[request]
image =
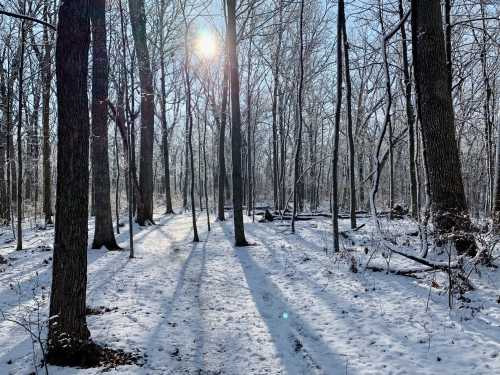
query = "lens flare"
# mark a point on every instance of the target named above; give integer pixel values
(206, 45)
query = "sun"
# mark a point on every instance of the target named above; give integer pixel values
(206, 45)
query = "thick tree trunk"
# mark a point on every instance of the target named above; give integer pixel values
(68, 330)
(138, 21)
(449, 207)
(103, 234)
(239, 229)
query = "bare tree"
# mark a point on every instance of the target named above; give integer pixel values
(449, 206)
(68, 331)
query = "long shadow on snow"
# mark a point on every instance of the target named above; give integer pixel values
(386, 284)
(185, 272)
(293, 337)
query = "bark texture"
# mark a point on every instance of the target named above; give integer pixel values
(68, 330)
(239, 230)
(138, 21)
(103, 235)
(449, 207)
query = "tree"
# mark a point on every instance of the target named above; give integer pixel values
(350, 136)
(435, 109)
(410, 116)
(222, 141)
(239, 229)
(19, 199)
(164, 127)
(338, 108)
(300, 103)
(68, 331)
(46, 81)
(103, 235)
(138, 21)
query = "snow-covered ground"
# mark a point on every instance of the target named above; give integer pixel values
(283, 306)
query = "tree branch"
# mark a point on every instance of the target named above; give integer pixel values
(27, 18)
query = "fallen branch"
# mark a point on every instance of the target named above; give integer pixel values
(404, 272)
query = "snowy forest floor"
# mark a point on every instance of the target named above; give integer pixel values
(283, 306)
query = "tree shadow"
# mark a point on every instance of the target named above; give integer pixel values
(301, 348)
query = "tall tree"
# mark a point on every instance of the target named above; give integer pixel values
(300, 101)
(164, 127)
(410, 116)
(68, 330)
(222, 140)
(19, 199)
(350, 136)
(103, 235)
(138, 21)
(276, 96)
(239, 229)
(46, 81)
(336, 135)
(435, 109)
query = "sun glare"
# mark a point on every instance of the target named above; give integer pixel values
(206, 45)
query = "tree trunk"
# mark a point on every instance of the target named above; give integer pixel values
(68, 330)
(276, 96)
(103, 234)
(138, 21)
(222, 140)
(19, 200)
(449, 207)
(338, 107)
(239, 229)
(205, 179)
(164, 127)
(352, 176)
(296, 169)
(410, 118)
(249, 129)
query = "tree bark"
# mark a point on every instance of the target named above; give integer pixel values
(338, 107)
(103, 234)
(19, 199)
(449, 207)
(164, 127)
(239, 229)
(46, 80)
(276, 96)
(68, 330)
(222, 140)
(138, 21)
(410, 118)
(352, 153)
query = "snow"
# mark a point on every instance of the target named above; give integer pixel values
(282, 306)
